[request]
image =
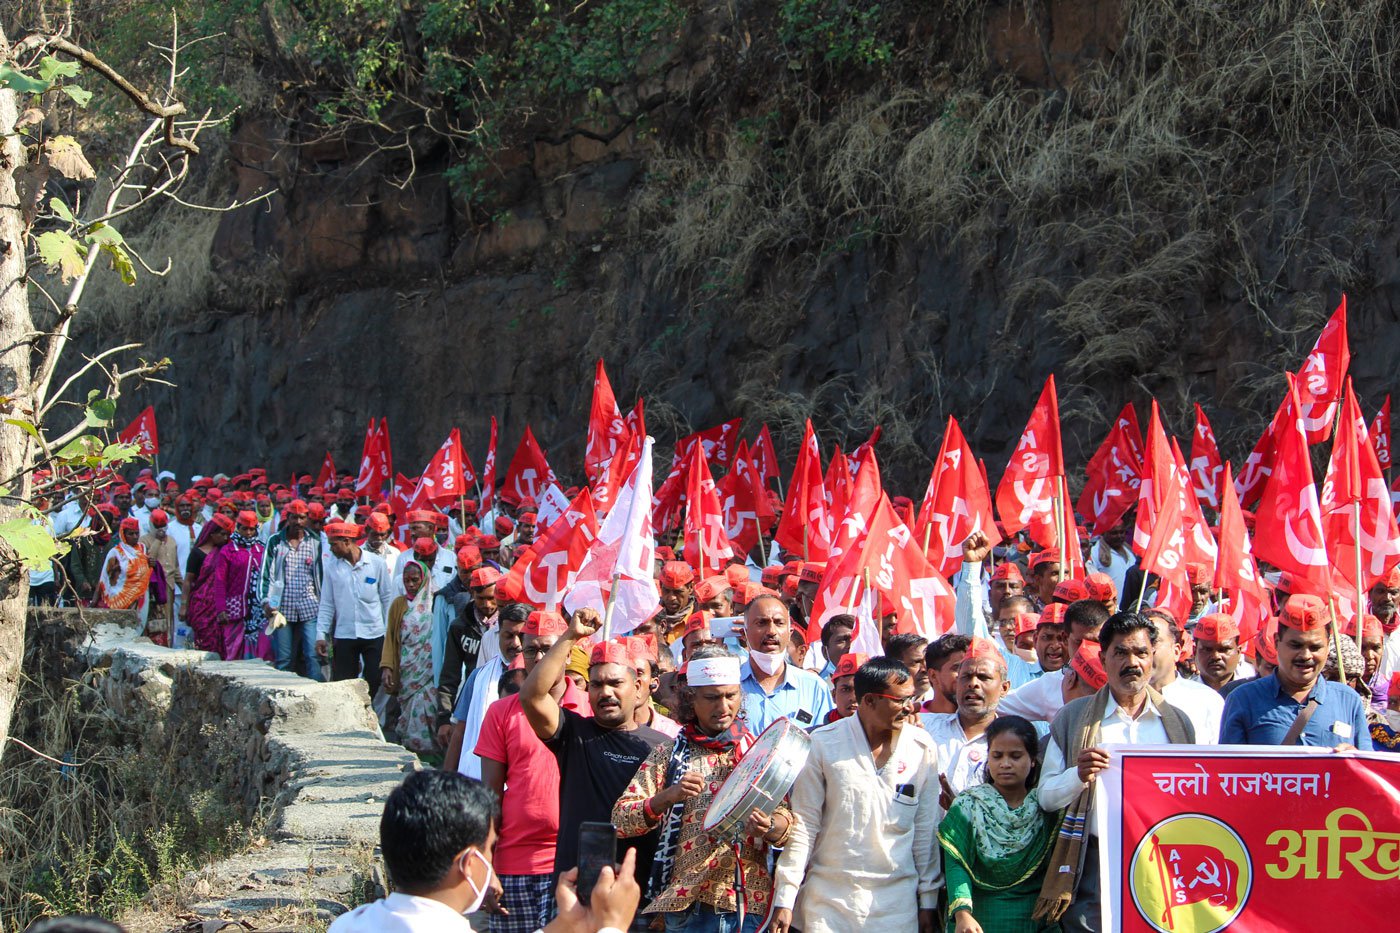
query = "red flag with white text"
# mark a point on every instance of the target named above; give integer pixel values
(765, 458)
(956, 504)
(528, 473)
(444, 478)
(1028, 488)
(1380, 435)
(1288, 522)
(326, 478)
(367, 482)
(546, 570)
(805, 528)
(1207, 466)
(488, 471)
(1319, 382)
(707, 547)
(606, 427)
(1113, 475)
(1355, 505)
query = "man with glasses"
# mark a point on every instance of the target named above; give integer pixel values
(864, 853)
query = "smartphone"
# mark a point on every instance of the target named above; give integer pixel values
(722, 628)
(597, 847)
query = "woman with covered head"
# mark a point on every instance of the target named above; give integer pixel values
(693, 876)
(407, 663)
(200, 609)
(233, 583)
(126, 574)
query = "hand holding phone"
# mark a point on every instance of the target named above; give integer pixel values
(597, 849)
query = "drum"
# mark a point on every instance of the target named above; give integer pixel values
(761, 779)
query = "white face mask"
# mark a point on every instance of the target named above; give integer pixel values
(152, 502)
(769, 664)
(486, 885)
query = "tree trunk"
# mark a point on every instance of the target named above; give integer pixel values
(16, 334)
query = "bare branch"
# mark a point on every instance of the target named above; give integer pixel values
(91, 362)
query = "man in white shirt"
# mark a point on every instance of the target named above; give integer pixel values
(1111, 555)
(1219, 658)
(961, 737)
(438, 837)
(1202, 705)
(355, 595)
(1126, 710)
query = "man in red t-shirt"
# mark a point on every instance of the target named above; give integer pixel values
(526, 776)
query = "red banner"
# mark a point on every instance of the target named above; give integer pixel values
(1199, 839)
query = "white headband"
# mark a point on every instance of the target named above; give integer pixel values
(712, 672)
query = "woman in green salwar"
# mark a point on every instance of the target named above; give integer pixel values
(996, 838)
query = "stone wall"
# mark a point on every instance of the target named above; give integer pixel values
(307, 758)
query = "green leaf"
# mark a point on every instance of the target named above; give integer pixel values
(101, 412)
(114, 453)
(15, 79)
(58, 207)
(121, 262)
(60, 251)
(84, 445)
(80, 95)
(51, 68)
(104, 233)
(32, 543)
(24, 426)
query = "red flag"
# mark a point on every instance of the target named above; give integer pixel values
(1158, 476)
(1235, 569)
(1026, 495)
(765, 458)
(838, 484)
(637, 421)
(1200, 541)
(707, 548)
(956, 504)
(528, 473)
(746, 507)
(1166, 556)
(718, 442)
(1319, 383)
(488, 472)
(606, 428)
(889, 554)
(443, 481)
(547, 568)
(805, 528)
(142, 433)
(385, 463)
(1193, 873)
(1380, 435)
(848, 530)
(1288, 524)
(670, 496)
(1206, 463)
(1260, 462)
(326, 478)
(1114, 474)
(616, 471)
(1355, 505)
(400, 496)
(366, 483)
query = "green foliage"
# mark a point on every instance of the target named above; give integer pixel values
(837, 32)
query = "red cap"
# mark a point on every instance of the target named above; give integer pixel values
(1100, 587)
(1007, 570)
(736, 574)
(812, 572)
(1050, 555)
(790, 587)
(315, 511)
(422, 515)
(528, 504)
(542, 624)
(770, 575)
(159, 520)
(1304, 612)
(1053, 614)
(345, 495)
(664, 554)
(746, 593)
(222, 520)
(1391, 578)
(793, 567)
(1370, 627)
(984, 648)
(1264, 641)
(469, 506)
(214, 495)
(710, 587)
(698, 621)
(1071, 590)
(440, 520)
(676, 574)
(610, 652)
(484, 576)
(1216, 627)
(504, 525)
(425, 547)
(468, 556)
(528, 518)
(489, 543)
(130, 524)
(1198, 574)
(1026, 622)
(379, 523)
(1088, 664)
(849, 664)
(247, 520)
(342, 530)
(640, 648)
(518, 664)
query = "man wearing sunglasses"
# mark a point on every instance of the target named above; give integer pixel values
(864, 853)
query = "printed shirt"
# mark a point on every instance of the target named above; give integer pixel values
(703, 870)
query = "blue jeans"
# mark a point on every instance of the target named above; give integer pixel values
(283, 641)
(702, 918)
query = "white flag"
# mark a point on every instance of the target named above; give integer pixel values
(625, 546)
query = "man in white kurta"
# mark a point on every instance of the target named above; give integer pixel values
(863, 854)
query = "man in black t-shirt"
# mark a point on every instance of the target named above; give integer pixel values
(598, 754)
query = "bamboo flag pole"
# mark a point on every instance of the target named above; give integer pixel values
(1360, 583)
(612, 602)
(1059, 523)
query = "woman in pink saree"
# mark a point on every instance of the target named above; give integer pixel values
(202, 610)
(233, 581)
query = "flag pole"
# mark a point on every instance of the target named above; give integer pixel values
(805, 558)
(612, 601)
(1059, 524)
(1142, 591)
(1360, 583)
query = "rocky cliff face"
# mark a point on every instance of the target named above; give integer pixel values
(1055, 199)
